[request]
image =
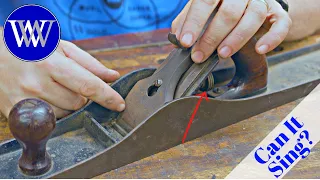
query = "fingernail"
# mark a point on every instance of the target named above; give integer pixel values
(263, 49)
(121, 107)
(187, 39)
(225, 51)
(114, 72)
(197, 56)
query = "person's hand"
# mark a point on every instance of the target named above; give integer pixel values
(235, 23)
(66, 80)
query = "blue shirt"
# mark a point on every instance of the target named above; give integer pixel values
(81, 19)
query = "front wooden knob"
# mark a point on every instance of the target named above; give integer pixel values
(31, 121)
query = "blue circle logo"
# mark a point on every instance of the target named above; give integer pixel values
(31, 33)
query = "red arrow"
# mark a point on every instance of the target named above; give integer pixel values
(202, 95)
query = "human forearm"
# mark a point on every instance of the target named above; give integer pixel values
(305, 16)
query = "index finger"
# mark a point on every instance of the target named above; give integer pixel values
(76, 78)
(198, 14)
(87, 61)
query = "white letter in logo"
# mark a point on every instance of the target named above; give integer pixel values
(31, 31)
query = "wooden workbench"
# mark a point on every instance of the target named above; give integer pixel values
(211, 156)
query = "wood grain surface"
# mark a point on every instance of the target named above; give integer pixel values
(211, 156)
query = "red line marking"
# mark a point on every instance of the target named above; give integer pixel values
(202, 95)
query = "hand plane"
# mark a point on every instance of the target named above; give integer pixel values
(178, 77)
(94, 140)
